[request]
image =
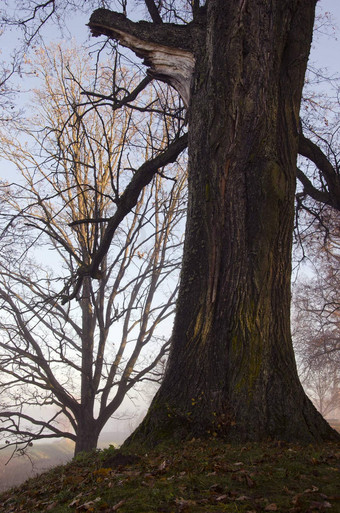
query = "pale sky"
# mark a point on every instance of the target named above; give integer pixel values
(325, 49)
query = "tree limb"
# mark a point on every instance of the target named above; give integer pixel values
(310, 150)
(129, 198)
(117, 104)
(166, 48)
(153, 11)
(41, 423)
(313, 192)
(126, 203)
(116, 26)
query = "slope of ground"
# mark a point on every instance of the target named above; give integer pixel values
(43, 456)
(198, 477)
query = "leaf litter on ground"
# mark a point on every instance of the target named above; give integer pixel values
(200, 476)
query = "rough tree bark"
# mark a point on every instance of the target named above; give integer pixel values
(232, 372)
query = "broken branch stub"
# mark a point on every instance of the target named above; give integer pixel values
(165, 48)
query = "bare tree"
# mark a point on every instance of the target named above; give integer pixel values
(323, 387)
(316, 320)
(77, 361)
(317, 316)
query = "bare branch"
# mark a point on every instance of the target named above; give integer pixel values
(128, 200)
(311, 151)
(153, 11)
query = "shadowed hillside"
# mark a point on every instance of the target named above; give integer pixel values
(198, 476)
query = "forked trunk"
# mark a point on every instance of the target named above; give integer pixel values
(232, 371)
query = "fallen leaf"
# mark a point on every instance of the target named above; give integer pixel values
(286, 490)
(75, 502)
(221, 498)
(233, 493)
(237, 477)
(243, 498)
(86, 506)
(296, 499)
(102, 472)
(203, 501)
(162, 465)
(216, 487)
(184, 504)
(118, 505)
(311, 490)
(74, 479)
(271, 507)
(51, 506)
(320, 505)
(249, 481)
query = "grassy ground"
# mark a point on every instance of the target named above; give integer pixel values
(198, 477)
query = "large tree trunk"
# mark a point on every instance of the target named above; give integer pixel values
(240, 67)
(87, 434)
(232, 371)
